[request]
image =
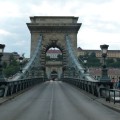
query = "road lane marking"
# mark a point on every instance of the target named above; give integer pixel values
(51, 104)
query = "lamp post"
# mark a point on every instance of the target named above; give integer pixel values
(21, 61)
(104, 77)
(2, 46)
(73, 71)
(85, 64)
(69, 71)
(79, 73)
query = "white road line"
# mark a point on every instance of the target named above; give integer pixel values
(51, 103)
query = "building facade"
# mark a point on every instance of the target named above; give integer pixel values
(98, 53)
(53, 53)
(8, 56)
(112, 73)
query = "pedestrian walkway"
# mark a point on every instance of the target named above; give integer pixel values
(3, 100)
(110, 104)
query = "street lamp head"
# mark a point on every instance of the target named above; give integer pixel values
(21, 59)
(85, 61)
(69, 68)
(2, 46)
(104, 48)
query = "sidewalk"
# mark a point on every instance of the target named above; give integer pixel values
(110, 104)
(103, 101)
(5, 99)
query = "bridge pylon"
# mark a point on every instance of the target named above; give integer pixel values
(54, 30)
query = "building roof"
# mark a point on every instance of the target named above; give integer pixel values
(111, 71)
(80, 49)
(54, 51)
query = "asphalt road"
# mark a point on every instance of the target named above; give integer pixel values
(55, 101)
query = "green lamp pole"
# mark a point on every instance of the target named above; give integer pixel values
(85, 64)
(21, 61)
(104, 77)
(2, 79)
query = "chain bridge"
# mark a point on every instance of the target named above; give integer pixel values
(51, 97)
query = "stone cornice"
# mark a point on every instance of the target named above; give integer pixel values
(34, 27)
(39, 18)
(53, 24)
(53, 17)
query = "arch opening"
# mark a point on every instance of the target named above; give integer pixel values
(54, 75)
(54, 54)
(57, 60)
(54, 63)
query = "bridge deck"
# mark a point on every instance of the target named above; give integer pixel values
(55, 101)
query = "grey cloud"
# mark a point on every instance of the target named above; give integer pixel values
(20, 32)
(97, 1)
(103, 26)
(15, 44)
(17, 25)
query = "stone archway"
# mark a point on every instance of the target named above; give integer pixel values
(53, 43)
(54, 75)
(58, 65)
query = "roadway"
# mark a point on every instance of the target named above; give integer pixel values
(55, 100)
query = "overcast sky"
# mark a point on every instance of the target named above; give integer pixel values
(100, 21)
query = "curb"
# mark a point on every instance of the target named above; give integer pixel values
(113, 108)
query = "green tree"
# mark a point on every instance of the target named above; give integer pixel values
(92, 60)
(47, 58)
(12, 68)
(4, 64)
(59, 57)
(111, 63)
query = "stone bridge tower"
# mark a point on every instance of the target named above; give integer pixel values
(53, 29)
